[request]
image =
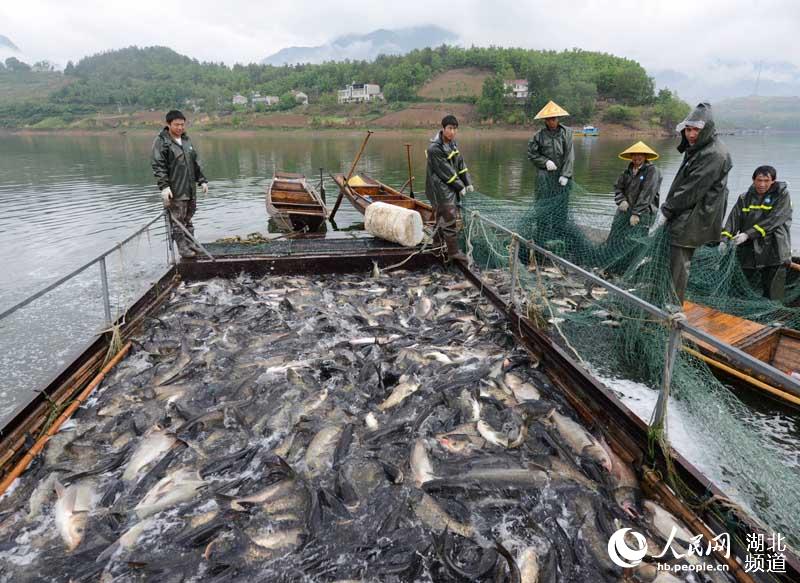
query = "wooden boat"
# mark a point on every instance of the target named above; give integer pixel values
(294, 204)
(362, 191)
(775, 345)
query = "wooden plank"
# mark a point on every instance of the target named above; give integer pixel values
(730, 329)
(787, 354)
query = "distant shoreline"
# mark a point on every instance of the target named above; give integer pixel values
(503, 131)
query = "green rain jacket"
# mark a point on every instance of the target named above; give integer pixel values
(767, 221)
(446, 173)
(640, 189)
(176, 165)
(695, 204)
(553, 145)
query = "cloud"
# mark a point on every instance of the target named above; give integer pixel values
(696, 38)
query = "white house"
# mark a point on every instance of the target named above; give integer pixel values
(265, 99)
(239, 99)
(300, 97)
(516, 88)
(359, 92)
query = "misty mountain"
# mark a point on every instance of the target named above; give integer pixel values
(5, 43)
(733, 79)
(756, 113)
(365, 47)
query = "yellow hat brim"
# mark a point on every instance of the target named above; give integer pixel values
(639, 148)
(552, 109)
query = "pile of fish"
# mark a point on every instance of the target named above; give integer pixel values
(330, 428)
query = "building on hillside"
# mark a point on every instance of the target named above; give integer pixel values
(516, 88)
(300, 97)
(267, 100)
(360, 92)
(239, 99)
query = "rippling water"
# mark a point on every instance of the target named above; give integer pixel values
(64, 199)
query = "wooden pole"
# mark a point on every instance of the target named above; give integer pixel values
(349, 175)
(66, 414)
(410, 176)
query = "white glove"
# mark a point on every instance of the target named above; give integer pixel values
(204, 187)
(659, 222)
(470, 188)
(462, 192)
(722, 247)
(562, 180)
(634, 220)
(166, 196)
(623, 206)
(550, 166)
(740, 238)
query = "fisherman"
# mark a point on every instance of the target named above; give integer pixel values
(447, 180)
(550, 149)
(636, 189)
(759, 227)
(696, 201)
(177, 170)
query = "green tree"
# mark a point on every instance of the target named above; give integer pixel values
(492, 101)
(287, 101)
(14, 65)
(670, 109)
(619, 114)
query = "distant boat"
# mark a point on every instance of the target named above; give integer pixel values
(588, 131)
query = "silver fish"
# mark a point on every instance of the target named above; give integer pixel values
(71, 511)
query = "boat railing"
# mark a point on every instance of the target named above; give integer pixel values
(676, 322)
(43, 330)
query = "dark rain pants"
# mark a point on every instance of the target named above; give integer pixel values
(447, 220)
(680, 261)
(183, 210)
(772, 280)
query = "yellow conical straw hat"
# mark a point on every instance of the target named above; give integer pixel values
(552, 109)
(639, 148)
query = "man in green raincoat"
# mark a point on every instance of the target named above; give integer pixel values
(759, 226)
(696, 201)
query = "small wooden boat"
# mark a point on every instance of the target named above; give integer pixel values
(362, 191)
(294, 204)
(774, 345)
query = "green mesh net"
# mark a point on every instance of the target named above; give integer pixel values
(618, 340)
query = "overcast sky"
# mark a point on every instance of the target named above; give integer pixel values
(716, 38)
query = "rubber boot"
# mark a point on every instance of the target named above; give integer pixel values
(453, 251)
(184, 249)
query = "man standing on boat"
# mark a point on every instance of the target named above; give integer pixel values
(759, 227)
(551, 151)
(636, 189)
(696, 201)
(177, 170)
(447, 180)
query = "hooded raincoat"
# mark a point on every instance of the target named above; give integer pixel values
(695, 204)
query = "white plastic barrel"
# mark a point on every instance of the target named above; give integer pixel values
(394, 223)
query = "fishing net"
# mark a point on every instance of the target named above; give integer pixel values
(621, 343)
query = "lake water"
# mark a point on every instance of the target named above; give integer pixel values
(64, 199)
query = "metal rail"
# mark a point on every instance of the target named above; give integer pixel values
(735, 356)
(78, 271)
